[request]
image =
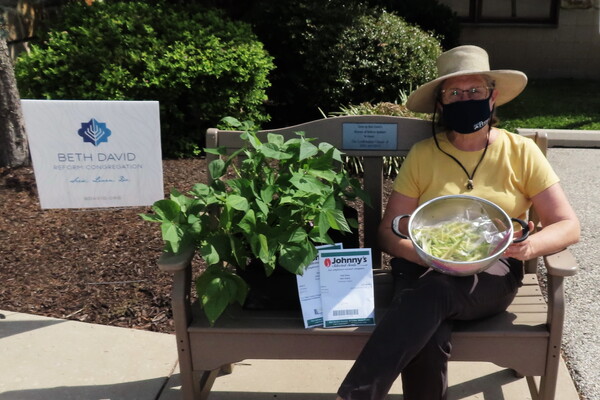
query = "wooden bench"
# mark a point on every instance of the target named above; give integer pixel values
(526, 338)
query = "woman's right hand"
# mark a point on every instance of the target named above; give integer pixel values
(394, 245)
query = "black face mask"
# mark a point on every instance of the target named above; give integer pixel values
(467, 116)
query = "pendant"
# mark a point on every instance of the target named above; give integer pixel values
(470, 184)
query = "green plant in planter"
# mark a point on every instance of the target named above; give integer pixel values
(271, 201)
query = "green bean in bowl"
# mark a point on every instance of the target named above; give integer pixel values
(453, 240)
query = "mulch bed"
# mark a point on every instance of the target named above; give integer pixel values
(96, 266)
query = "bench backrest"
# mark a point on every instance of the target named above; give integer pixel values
(371, 137)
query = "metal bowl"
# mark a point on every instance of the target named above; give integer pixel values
(448, 208)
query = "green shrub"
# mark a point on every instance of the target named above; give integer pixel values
(304, 38)
(383, 108)
(379, 57)
(335, 52)
(196, 63)
(300, 36)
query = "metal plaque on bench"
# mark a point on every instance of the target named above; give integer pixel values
(369, 136)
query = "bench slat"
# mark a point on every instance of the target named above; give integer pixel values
(529, 308)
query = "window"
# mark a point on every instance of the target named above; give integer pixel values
(506, 11)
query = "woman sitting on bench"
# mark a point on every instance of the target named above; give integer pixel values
(467, 156)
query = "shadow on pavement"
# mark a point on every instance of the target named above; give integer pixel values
(119, 391)
(9, 327)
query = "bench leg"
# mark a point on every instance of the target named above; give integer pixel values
(548, 385)
(533, 388)
(556, 310)
(546, 390)
(204, 383)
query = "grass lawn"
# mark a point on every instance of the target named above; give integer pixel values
(554, 104)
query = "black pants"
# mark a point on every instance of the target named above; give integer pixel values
(413, 337)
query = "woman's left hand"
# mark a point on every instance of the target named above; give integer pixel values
(523, 250)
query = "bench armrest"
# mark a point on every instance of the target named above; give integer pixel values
(174, 262)
(561, 263)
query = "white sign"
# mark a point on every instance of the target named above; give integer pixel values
(369, 136)
(309, 290)
(89, 154)
(347, 293)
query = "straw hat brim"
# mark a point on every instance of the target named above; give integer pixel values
(509, 83)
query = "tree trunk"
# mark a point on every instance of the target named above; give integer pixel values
(14, 151)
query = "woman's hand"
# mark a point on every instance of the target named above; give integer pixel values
(523, 250)
(398, 204)
(559, 222)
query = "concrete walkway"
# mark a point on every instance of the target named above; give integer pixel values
(52, 359)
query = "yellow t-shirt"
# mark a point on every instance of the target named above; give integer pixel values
(513, 171)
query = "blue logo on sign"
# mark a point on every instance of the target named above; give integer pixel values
(94, 132)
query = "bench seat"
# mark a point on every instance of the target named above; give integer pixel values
(264, 334)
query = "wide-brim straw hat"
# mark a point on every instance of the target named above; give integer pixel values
(466, 60)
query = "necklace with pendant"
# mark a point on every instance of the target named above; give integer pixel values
(472, 174)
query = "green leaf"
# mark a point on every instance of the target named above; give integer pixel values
(327, 175)
(319, 233)
(167, 210)
(216, 168)
(215, 299)
(307, 150)
(210, 254)
(335, 219)
(238, 249)
(184, 202)
(297, 236)
(262, 206)
(322, 163)
(237, 202)
(150, 217)
(329, 203)
(241, 186)
(272, 151)
(248, 222)
(254, 141)
(308, 183)
(275, 139)
(233, 122)
(331, 150)
(263, 249)
(267, 193)
(353, 223)
(295, 257)
(242, 288)
(200, 190)
(172, 234)
(220, 151)
(270, 266)
(194, 223)
(260, 248)
(216, 289)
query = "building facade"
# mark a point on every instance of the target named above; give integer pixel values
(543, 38)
